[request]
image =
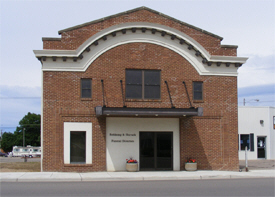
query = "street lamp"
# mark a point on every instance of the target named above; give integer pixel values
(257, 100)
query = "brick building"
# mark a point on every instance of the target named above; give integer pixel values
(138, 84)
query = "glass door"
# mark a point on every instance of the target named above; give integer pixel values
(147, 150)
(156, 151)
(261, 147)
(164, 159)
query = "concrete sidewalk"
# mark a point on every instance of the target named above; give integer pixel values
(130, 176)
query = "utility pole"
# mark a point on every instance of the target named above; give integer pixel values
(25, 158)
(23, 137)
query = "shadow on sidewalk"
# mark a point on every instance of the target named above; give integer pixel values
(260, 164)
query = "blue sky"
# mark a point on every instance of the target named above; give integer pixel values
(246, 23)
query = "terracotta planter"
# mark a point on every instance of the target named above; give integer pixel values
(190, 166)
(132, 167)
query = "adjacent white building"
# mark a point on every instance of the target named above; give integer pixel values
(257, 132)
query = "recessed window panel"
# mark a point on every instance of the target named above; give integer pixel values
(197, 90)
(152, 92)
(86, 88)
(143, 84)
(134, 91)
(197, 96)
(152, 77)
(78, 147)
(134, 77)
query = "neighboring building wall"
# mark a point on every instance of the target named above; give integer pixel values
(272, 132)
(249, 123)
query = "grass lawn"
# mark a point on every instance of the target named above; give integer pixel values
(20, 167)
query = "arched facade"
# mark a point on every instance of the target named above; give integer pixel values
(144, 32)
(126, 86)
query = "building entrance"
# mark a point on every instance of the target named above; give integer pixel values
(156, 151)
(261, 147)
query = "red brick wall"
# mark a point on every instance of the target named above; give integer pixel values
(71, 40)
(211, 139)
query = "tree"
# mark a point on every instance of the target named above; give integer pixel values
(31, 125)
(7, 142)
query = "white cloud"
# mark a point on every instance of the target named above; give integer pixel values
(16, 102)
(258, 70)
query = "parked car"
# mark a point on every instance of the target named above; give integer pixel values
(3, 154)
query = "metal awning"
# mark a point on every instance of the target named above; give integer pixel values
(125, 111)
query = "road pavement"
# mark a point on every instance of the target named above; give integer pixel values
(229, 187)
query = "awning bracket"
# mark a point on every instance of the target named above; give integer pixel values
(123, 98)
(172, 106)
(102, 84)
(187, 95)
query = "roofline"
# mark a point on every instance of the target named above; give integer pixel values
(134, 10)
(229, 46)
(50, 39)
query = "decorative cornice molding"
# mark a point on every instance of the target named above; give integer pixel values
(138, 32)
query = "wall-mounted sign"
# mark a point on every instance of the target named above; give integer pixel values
(122, 135)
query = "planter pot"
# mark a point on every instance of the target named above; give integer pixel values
(190, 166)
(132, 167)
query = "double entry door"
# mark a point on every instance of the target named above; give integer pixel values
(156, 151)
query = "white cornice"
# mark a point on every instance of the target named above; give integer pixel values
(139, 36)
(232, 59)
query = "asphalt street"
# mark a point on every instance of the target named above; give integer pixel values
(224, 187)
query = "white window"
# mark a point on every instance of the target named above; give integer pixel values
(73, 153)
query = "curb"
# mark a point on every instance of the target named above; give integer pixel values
(131, 179)
(117, 176)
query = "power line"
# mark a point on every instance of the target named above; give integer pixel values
(256, 101)
(31, 97)
(21, 125)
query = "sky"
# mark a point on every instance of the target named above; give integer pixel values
(250, 24)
